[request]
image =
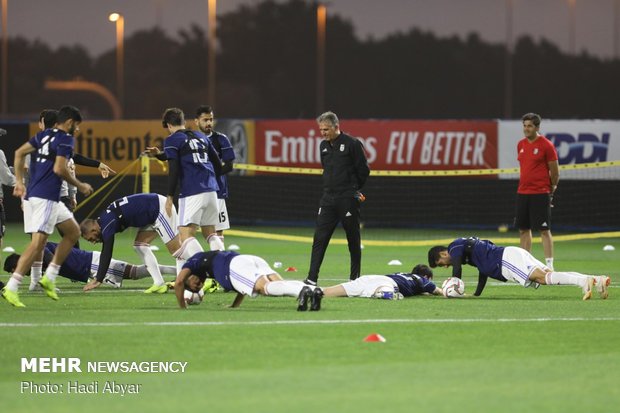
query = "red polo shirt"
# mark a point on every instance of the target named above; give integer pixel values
(534, 158)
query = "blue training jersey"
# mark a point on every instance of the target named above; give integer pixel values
(49, 144)
(224, 149)
(191, 150)
(77, 265)
(484, 255)
(137, 211)
(212, 264)
(412, 284)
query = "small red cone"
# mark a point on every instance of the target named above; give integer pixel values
(375, 338)
(291, 269)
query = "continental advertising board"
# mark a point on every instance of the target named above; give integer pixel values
(119, 143)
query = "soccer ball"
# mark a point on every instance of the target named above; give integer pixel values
(453, 288)
(192, 298)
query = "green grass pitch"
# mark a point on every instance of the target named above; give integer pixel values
(511, 350)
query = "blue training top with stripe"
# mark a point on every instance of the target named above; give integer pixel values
(136, 210)
(225, 150)
(485, 256)
(49, 144)
(212, 264)
(412, 284)
(77, 265)
(196, 171)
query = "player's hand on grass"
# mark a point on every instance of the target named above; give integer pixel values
(92, 285)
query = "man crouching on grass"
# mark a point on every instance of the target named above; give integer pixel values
(244, 274)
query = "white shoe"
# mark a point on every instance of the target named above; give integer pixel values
(587, 289)
(602, 282)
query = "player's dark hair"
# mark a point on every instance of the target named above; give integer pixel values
(68, 112)
(203, 109)
(49, 117)
(188, 288)
(173, 117)
(534, 117)
(433, 255)
(423, 271)
(10, 263)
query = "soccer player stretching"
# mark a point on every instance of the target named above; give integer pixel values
(509, 263)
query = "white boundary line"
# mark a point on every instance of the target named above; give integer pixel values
(305, 322)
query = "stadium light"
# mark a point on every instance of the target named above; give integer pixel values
(120, 56)
(508, 62)
(616, 31)
(5, 58)
(571, 27)
(211, 44)
(321, 22)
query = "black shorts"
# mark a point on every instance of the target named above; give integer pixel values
(533, 212)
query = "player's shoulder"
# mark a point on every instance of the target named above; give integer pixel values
(222, 137)
(546, 141)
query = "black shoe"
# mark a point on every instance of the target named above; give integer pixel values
(1, 285)
(310, 282)
(304, 295)
(317, 296)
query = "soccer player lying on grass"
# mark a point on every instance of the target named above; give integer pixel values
(82, 265)
(147, 213)
(509, 263)
(244, 274)
(388, 287)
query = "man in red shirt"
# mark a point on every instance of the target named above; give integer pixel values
(538, 181)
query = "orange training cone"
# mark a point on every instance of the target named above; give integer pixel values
(291, 269)
(375, 338)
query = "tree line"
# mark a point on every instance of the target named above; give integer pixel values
(266, 68)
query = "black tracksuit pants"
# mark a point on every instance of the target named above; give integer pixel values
(344, 209)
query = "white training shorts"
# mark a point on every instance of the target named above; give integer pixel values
(116, 268)
(518, 264)
(367, 285)
(115, 273)
(222, 221)
(164, 225)
(245, 270)
(42, 215)
(200, 209)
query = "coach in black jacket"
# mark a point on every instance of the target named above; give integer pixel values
(345, 170)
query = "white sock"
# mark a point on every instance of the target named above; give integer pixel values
(215, 243)
(14, 282)
(566, 278)
(549, 262)
(139, 272)
(189, 247)
(150, 261)
(35, 273)
(285, 287)
(179, 265)
(52, 271)
(221, 237)
(168, 269)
